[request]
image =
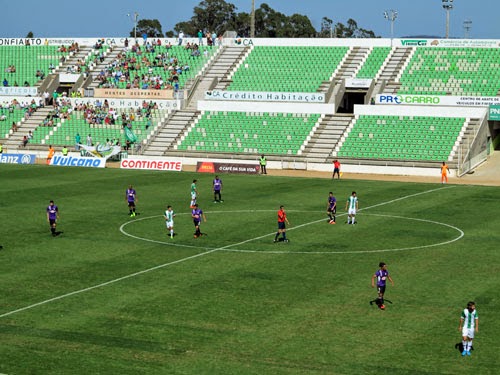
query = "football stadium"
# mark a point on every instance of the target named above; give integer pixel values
(412, 124)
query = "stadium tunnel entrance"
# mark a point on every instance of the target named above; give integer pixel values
(350, 98)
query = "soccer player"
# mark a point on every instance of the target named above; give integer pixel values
(282, 221)
(469, 324)
(382, 275)
(194, 194)
(169, 220)
(197, 214)
(52, 216)
(331, 208)
(131, 199)
(351, 207)
(217, 183)
(444, 173)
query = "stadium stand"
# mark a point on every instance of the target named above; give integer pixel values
(402, 137)
(298, 129)
(287, 69)
(103, 127)
(243, 132)
(28, 61)
(452, 71)
(155, 67)
(374, 62)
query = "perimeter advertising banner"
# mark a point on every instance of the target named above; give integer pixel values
(456, 101)
(211, 167)
(78, 161)
(17, 159)
(151, 164)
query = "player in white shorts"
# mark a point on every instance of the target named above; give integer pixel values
(351, 207)
(194, 194)
(169, 220)
(469, 324)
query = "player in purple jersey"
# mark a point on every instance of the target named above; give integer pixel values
(52, 216)
(131, 199)
(197, 214)
(217, 183)
(331, 208)
(382, 275)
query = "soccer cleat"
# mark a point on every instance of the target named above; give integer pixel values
(382, 307)
(275, 241)
(195, 236)
(332, 222)
(171, 237)
(464, 353)
(468, 353)
(286, 240)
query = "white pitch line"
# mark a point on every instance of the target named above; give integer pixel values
(184, 259)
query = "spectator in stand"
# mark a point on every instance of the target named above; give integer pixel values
(200, 38)
(181, 37)
(214, 38)
(5, 82)
(25, 141)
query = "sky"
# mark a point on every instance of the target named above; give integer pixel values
(108, 18)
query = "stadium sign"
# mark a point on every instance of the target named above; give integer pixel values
(445, 100)
(413, 42)
(494, 114)
(21, 41)
(125, 103)
(257, 96)
(358, 83)
(137, 93)
(211, 167)
(18, 91)
(78, 161)
(17, 159)
(154, 165)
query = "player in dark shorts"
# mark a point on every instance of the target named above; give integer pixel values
(331, 208)
(282, 221)
(382, 275)
(131, 199)
(217, 183)
(197, 214)
(52, 216)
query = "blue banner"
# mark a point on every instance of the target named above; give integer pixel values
(17, 159)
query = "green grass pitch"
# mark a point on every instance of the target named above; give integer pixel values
(114, 295)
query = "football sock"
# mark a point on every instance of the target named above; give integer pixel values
(276, 237)
(171, 233)
(284, 236)
(464, 344)
(469, 345)
(53, 230)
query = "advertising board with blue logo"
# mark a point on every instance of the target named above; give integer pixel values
(78, 161)
(17, 159)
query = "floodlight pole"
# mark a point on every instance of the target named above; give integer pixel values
(134, 20)
(447, 6)
(391, 15)
(467, 27)
(252, 20)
